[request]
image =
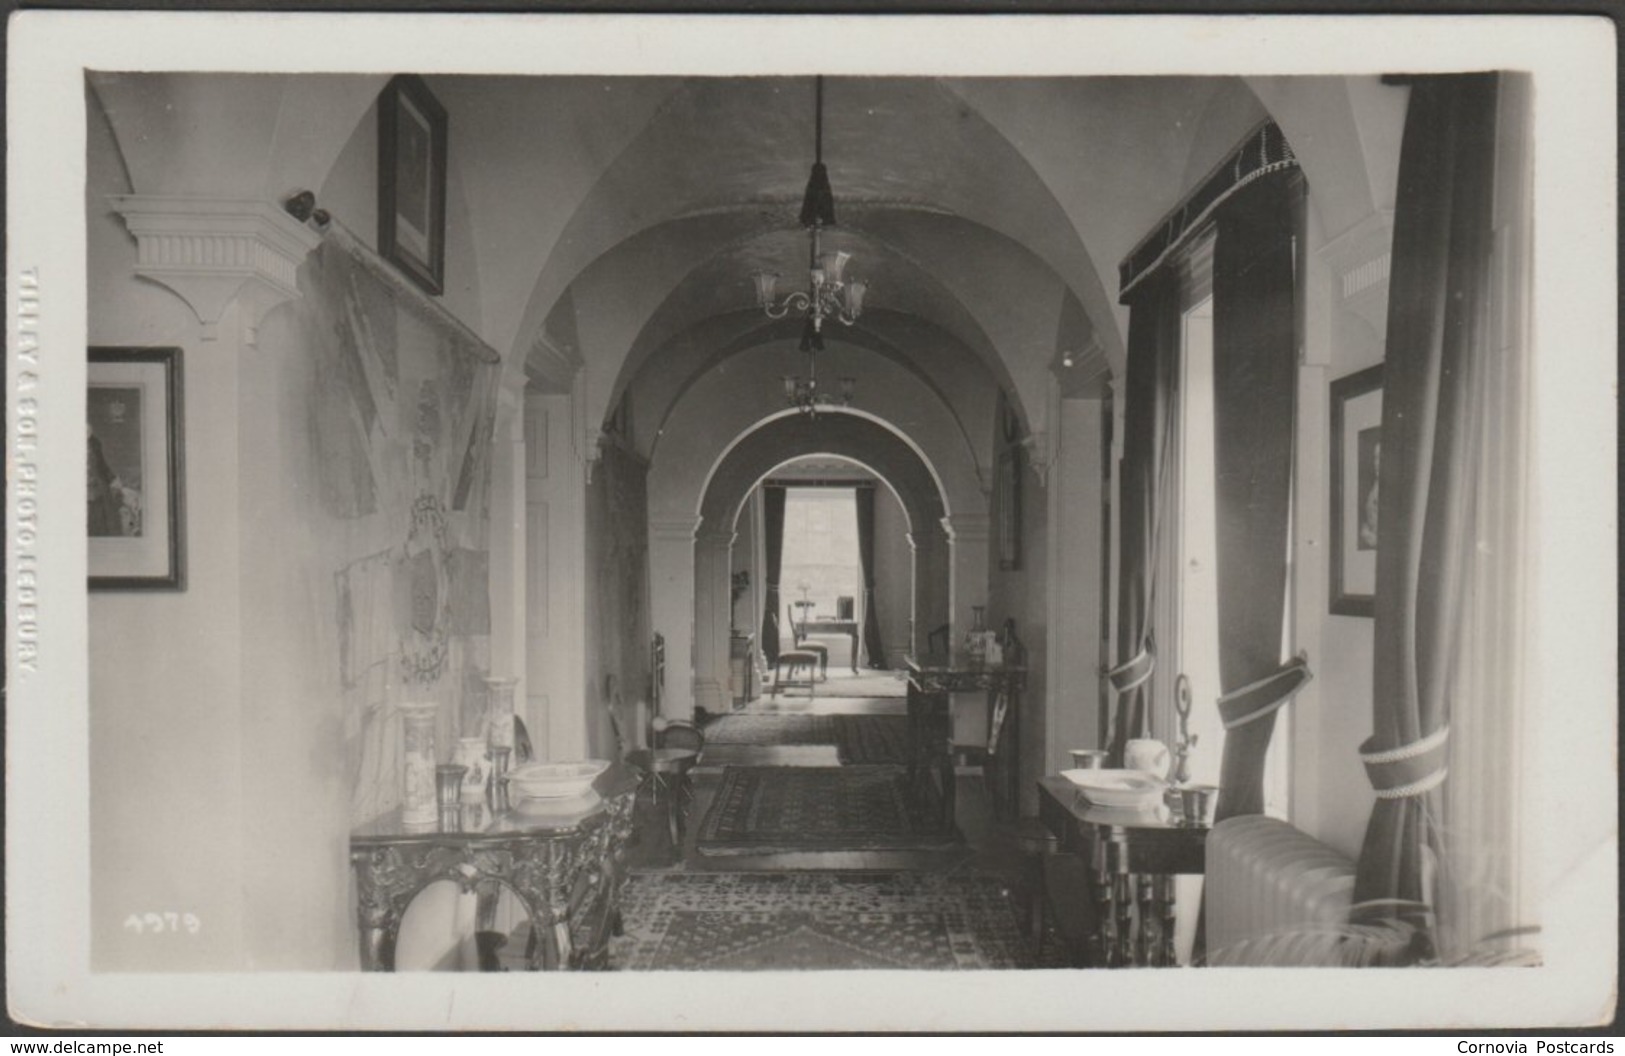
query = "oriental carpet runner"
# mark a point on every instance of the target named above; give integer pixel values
(819, 920)
(771, 729)
(872, 739)
(767, 810)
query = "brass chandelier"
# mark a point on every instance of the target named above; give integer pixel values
(830, 294)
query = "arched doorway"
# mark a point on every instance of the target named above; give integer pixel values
(855, 438)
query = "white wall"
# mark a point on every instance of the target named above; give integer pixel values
(221, 781)
(165, 713)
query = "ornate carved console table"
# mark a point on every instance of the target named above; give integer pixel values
(1133, 857)
(931, 680)
(562, 859)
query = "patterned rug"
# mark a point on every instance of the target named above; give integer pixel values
(819, 920)
(872, 739)
(765, 810)
(771, 729)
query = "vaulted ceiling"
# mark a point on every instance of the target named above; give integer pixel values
(609, 226)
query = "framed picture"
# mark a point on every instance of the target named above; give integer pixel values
(1008, 510)
(1356, 463)
(135, 523)
(412, 181)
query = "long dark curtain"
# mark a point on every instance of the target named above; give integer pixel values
(1149, 401)
(773, 543)
(866, 558)
(1254, 385)
(1431, 426)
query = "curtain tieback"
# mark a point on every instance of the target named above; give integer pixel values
(1258, 699)
(1409, 770)
(1134, 671)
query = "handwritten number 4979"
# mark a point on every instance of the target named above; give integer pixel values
(158, 923)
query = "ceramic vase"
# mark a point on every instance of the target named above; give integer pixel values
(499, 711)
(418, 764)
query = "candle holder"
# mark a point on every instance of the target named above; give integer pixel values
(498, 789)
(1187, 740)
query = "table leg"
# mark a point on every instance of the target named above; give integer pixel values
(916, 736)
(377, 948)
(1124, 896)
(486, 939)
(1170, 916)
(945, 768)
(1123, 902)
(1149, 940)
(1105, 952)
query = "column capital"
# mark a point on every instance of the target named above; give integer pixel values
(211, 252)
(920, 541)
(968, 528)
(674, 528)
(721, 538)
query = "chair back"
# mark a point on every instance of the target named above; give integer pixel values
(680, 733)
(797, 632)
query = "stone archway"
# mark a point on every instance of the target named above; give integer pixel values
(707, 546)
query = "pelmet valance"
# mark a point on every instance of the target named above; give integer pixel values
(1264, 151)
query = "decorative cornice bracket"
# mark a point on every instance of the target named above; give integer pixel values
(212, 251)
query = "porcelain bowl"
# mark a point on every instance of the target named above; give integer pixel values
(555, 780)
(1128, 789)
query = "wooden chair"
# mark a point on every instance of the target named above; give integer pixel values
(804, 644)
(789, 662)
(666, 767)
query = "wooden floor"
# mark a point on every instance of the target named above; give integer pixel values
(989, 846)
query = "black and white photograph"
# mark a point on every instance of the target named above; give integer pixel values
(687, 529)
(134, 453)
(1356, 478)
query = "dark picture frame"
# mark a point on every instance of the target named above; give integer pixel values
(1356, 453)
(412, 181)
(135, 510)
(1007, 508)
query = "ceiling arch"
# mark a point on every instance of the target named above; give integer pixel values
(848, 436)
(950, 374)
(714, 419)
(732, 153)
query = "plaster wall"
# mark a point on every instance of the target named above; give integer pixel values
(1074, 497)
(228, 693)
(1022, 594)
(164, 667)
(617, 602)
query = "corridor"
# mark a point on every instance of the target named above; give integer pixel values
(958, 904)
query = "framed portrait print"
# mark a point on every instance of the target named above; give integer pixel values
(135, 524)
(412, 181)
(1356, 463)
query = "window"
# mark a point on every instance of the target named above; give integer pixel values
(820, 563)
(1195, 557)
